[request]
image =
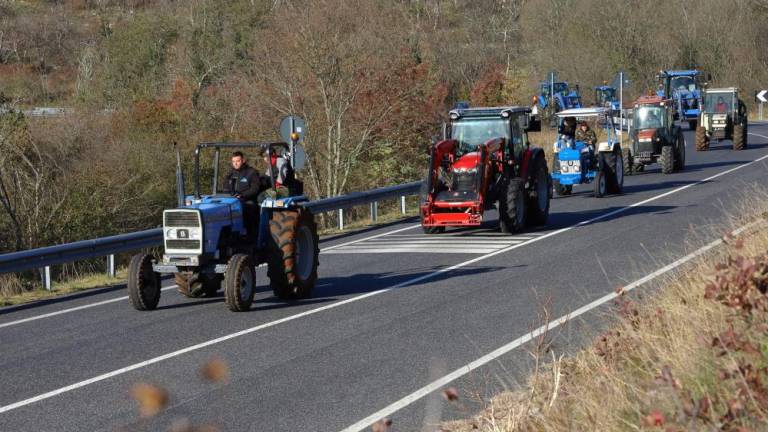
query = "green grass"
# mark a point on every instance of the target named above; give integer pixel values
(83, 283)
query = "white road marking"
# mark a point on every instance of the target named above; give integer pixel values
(310, 312)
(493, 355)
(433, 244)
(405, 249)
(73, 309)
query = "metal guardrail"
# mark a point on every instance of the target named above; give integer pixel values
(45, 257)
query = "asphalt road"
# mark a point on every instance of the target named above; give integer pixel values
(394, 310)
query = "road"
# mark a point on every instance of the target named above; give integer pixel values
(394, 311)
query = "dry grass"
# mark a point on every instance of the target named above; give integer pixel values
(693, 357)
(14, 293)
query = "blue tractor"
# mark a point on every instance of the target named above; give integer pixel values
(208, 246)
(554, 97)
(574, 162)
(607, 97)
(684, 88)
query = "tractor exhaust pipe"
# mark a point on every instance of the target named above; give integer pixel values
(180, 194)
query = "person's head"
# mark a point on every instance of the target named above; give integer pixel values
(720, 100)
(238, 160)
(584, 126)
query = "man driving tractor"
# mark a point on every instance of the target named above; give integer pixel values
(588, 137)
(245, 183)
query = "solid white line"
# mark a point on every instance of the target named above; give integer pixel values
(77, 308)
(354, 299)
(493, 355)
(412, 250)
(429, 243)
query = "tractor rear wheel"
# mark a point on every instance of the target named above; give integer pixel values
(702, 142)
(538, 200)
(239, 283)
(293, 254)
(739, 137)
(680, 152)
(627, 162)
(512, 211)
(143, 283)
(667, 159)
(196, 285)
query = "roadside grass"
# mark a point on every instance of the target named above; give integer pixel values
(10, 297)
(692, 355)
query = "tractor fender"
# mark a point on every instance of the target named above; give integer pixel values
(529, 156)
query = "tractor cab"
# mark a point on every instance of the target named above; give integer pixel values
(654, 136)
(723, 116)
(683, 87)
(471, 167)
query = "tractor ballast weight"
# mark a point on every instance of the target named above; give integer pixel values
(723, 117)
(485, 159)
(654, 137)
(207, 244)
(684, 87)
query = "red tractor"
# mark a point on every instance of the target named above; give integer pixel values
(654, 137)
(484, 159)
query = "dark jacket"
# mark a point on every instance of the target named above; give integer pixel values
(244, 182)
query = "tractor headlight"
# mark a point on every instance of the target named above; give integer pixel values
(195, 234)
(170, 234)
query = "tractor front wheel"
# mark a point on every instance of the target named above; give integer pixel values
(626, 162)
(702, 142)
(614, 166)
(538, 201)
(143, 283)
(680, 152)
(666, 160)
(739, 137)
(293, 254)
(239, 283)
(512, 211)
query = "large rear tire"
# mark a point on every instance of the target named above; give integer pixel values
(627, 163)
(702, 142)
(615, 169)
(239, 283)
(293, 254)
(739, 137)
(512, 203)
(538, 200)
(143, 283)
(680, 152)
(667, 159)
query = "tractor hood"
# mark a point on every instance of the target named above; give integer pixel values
(467, 162)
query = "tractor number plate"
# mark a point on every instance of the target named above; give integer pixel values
(182, 234)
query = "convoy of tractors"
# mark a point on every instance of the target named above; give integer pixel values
(484, 161)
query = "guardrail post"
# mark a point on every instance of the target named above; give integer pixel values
(341, 219)
(111, 265)
(374, 211)
(46, 276)
(402, 204)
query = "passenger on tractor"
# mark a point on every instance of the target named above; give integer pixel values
(281, 166)
(568, 128)
(244, 183)
(587, 155)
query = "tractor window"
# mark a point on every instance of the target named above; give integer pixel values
(470, 133)
(649, 117)
(718, 102)
(605, 96)
(561, 88)
(686, 83)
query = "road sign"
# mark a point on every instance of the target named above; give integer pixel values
(762, 96)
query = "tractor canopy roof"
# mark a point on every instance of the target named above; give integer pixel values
(501, 112)
(674, 73)
(728, 90)
(651, 100)
(583, 112)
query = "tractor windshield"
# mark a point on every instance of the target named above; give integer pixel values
(718, 102)
(470, 133)
(605, 96)
(685, 83)
(649, 117)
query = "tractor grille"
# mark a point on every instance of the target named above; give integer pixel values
(181, 219)
(182, 244)
(464, 182)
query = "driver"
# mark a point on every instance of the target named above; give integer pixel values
(588, 137)
(721, 106)
(243, 182)
(653, 120)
